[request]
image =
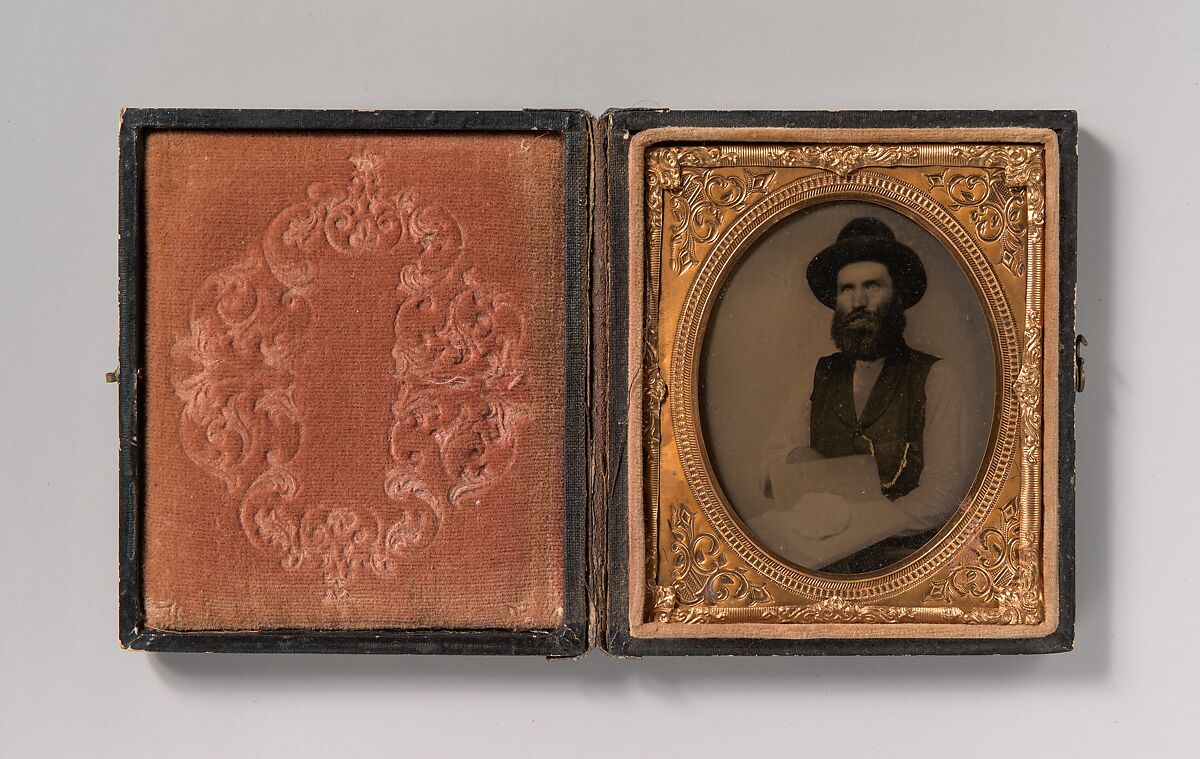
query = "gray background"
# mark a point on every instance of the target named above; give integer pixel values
(1130, 69)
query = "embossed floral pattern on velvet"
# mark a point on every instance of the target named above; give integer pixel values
(459, 375)
(457, 353)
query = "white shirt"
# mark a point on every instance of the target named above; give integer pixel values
(945, 475)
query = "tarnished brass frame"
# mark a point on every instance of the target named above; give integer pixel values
(685, 410)
(1019, 597)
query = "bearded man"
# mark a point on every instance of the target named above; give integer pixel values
(871, 468)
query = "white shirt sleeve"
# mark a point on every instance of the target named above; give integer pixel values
(790, 433)
(944, 473)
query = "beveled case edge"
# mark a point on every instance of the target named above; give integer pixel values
(622, 125)
(569, 639)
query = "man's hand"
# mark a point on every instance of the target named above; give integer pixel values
(801, 454)
(796, 455)
(870, 522)
(820, 515)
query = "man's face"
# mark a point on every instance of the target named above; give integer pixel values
(863, 285)
(868, 321)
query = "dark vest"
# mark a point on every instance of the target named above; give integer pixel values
(892, 427)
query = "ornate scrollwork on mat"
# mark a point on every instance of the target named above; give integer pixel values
(458, 367)
(1001, 582)
(704, 203)
(701, 573)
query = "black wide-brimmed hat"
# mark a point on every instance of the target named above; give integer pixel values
(867, 239)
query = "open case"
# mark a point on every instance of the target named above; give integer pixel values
(659, 382)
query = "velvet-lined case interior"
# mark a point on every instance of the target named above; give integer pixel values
(353, 380)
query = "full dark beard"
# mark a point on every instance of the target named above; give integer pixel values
(867, 335)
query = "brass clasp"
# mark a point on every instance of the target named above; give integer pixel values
(1080, 375)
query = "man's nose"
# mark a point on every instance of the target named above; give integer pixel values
(858, 297)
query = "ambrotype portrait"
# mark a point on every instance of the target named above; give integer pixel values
(847, 387)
